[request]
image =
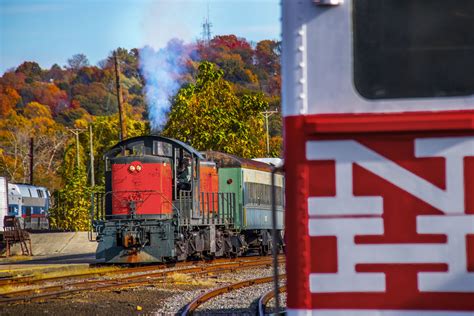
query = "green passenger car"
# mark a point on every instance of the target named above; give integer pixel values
(251, 181)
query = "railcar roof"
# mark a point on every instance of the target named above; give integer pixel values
(224, 160)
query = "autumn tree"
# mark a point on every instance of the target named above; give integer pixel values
(95, 98)
(209, 115)
(128, 61)
(55, 73)
(31, 70)
(267, 56)
(77, 61)
(49, 94)
(14, 80)
(16, 130)
(9, 99)
(72, 208)
(88, 75)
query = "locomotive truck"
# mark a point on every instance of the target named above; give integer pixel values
(165, 201)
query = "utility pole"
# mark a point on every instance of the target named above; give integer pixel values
(91, 155)
(76, 133)
(266, 115)
(123, 130)
(77, 148)
(32, 153)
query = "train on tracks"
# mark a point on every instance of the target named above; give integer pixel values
(30, 204)
(165, 201)
(378, 106)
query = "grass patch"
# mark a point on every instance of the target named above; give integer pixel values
(186, 279)
(44, 273)
(6, 289)
(71, 271)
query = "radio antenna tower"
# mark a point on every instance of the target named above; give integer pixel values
(206, 28)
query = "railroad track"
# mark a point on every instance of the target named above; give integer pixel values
(145, 278)
(264, 299)
(32, 280)
(191, 307)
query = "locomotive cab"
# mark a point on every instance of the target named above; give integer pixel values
(150, 176)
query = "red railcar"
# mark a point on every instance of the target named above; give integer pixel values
(209, 183)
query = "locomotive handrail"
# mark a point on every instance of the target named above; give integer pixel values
(225, 212)
(141, 191)
(221, 205)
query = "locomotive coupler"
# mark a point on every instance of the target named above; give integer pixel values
(133, 238)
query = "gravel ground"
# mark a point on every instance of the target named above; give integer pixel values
(160, 299)
(239, 302)
(117, 303)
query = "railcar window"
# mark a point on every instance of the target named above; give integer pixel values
(261, 194)
(413, 48)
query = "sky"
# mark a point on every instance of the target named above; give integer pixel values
(51, 31)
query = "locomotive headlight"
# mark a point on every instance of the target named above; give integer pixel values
(131, 168)
(139, 168)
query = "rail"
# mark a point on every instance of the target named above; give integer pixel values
(151, 275)
(264, 299)
(191, 307)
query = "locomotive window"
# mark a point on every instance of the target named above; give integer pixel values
(413, 48)
(162, 149)
(137, 149)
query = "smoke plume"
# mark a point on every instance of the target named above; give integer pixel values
(163, 70)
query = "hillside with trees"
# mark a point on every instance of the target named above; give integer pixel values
(223, 87)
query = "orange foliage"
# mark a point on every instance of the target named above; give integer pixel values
(231, 42)
(36, 110)
(75, 104)
(50, 95)
(13, 80)
(9, 98)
